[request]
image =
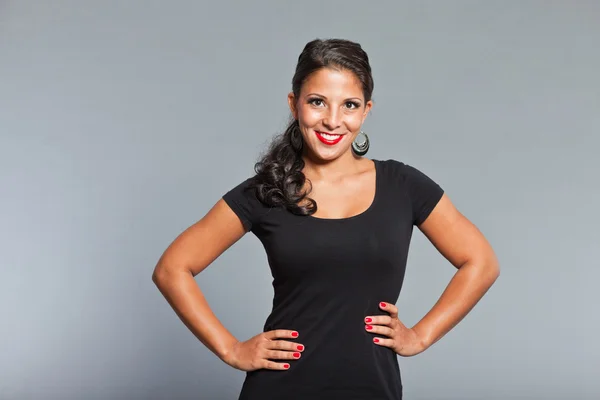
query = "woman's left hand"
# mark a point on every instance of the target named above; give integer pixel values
(394, 334)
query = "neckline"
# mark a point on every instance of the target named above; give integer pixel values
(362, 213)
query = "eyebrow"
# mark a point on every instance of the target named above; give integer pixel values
(325, 97)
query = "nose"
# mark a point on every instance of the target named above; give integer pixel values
(332, 120)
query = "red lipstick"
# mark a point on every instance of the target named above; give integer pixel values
(329, 140)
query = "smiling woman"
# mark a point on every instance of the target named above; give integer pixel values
(329, 102)
(330, 108)
(336, 228)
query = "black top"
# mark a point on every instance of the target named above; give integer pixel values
(328, 275)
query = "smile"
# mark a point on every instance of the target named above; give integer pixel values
(328, 138)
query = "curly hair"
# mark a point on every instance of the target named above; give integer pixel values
(279, 180)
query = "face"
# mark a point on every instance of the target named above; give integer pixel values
(330, 110)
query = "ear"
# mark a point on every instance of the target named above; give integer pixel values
(368, 107)
(292, 104)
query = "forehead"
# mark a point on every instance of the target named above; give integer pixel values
(333, 82)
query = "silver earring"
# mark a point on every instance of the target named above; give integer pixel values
(360, 145)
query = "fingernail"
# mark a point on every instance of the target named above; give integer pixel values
(300, 347)
(369, 327)
(296, 355)
(368, 320)
(295, 334)
(286, 366)
(376, 340)
(382, 304)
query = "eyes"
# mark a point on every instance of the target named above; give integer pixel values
(318, 102)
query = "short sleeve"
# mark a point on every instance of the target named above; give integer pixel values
(244, 203)
(424, 193)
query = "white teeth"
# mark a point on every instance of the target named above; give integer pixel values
(328, 136)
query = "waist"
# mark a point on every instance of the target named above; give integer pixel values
(339, 361)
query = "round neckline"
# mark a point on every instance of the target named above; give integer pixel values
(371, 206)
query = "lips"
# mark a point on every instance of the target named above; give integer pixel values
(328, 138)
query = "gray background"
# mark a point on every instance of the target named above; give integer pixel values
(123, 122)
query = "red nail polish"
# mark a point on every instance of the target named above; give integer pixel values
(300, 347)
(296, 355)
(286, 366)
(295, 334)
(382, 304)
(369, 327)
(368, 319)
(376, 340)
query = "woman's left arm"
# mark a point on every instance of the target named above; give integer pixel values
(465, 247)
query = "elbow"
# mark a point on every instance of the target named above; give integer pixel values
(486, 269)
(161, 273)
(157, 275)
(164, 272)
(494, 274)
(492, 270)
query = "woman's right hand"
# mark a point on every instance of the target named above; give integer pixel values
(257, 352)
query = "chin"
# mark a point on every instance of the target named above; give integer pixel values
(327, 155)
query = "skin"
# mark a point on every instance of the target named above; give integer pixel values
(343, 185)
(332, 101)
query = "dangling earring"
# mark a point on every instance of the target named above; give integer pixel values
(296, 137)
(360, 145)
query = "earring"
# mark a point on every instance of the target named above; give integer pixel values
(360, 145)
(296, 137)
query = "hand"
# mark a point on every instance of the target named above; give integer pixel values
(256, 352)
(404, 341)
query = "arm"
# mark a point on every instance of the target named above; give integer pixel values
(188, 255)
(465, 247)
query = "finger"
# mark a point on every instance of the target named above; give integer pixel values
(282, 355)
(391, 308)
(380, 330)
(378, 320)
(379, 341)
(281, 334)
(275, 366)
(285, 345)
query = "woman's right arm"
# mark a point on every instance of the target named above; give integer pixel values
(188, 255)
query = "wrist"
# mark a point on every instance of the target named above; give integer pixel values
(424, 340)
(225, 352)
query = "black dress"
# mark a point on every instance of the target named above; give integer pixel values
(328, 275)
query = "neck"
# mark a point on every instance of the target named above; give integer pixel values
(316, 169)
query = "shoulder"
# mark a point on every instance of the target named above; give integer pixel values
(397, 169)
(244, 189)
(422, 190)
(243, 200)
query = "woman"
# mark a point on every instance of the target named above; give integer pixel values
(336, 227)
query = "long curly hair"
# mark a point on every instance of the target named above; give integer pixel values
(279, 180)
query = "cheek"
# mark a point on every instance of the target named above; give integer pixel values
(308, 116)
(354, 122)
